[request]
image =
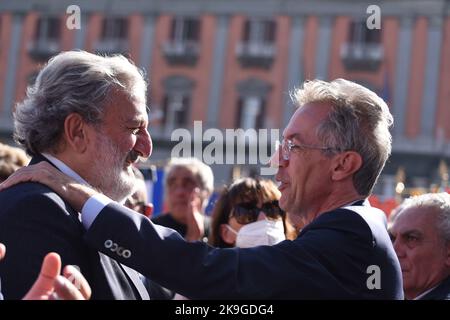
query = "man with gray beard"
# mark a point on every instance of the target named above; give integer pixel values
(86, 115)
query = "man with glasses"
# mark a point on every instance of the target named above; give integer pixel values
(333, 150)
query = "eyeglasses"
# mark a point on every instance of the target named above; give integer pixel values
(287, 145)
(248, 212)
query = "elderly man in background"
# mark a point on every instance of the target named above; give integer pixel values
(188, 185)
(420, 232)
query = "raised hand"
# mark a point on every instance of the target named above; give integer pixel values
(50, 285)
(194, 217)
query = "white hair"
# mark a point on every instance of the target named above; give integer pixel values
(72, 82)
(201, 171)
(439, 202)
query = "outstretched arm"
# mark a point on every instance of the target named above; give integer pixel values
(73, 192)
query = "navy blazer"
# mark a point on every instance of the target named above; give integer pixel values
(34, 220)
(330, 259)
(441, 292)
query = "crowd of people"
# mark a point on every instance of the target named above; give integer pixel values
(82, 202)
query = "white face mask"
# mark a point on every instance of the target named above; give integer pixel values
(259, 233)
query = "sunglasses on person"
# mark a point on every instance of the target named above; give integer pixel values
(248, 212)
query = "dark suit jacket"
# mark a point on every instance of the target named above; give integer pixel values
(34, 220)
(166, 220)
(329, 260)
(441, 292)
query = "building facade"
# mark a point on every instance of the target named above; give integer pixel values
(232, 63)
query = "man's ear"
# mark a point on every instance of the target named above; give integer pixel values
(76, 132)
(226, 235)
(345, 164)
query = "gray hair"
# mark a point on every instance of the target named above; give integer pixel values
(359, 121)
(72, 82)
(439, 202)
(201, 171)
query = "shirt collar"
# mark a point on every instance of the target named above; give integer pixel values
(424, 293)
(68, 171)
(64, 168)
(361, 202)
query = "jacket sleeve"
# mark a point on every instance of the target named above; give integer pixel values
(199, 271)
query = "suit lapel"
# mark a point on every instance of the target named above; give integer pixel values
(39, 158)
(441, 292)
(134, 277)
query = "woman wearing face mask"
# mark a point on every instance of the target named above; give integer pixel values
(247, 215)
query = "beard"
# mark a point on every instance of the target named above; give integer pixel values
(111, 171)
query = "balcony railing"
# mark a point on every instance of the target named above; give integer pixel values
(181, 52)
(362, 56)
(251, 54)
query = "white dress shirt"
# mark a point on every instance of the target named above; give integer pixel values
(94, 205)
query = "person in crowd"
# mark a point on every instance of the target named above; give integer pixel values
(420, 232)
(50, 285)
(188, 185)
(292, 224)
(333, 150)
(11, 159)
(138, 201)
(86, 116)
(247, 214)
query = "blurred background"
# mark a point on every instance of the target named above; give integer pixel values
(232, 63)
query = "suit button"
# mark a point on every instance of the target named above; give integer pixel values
(108, 244)
(126, 253)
